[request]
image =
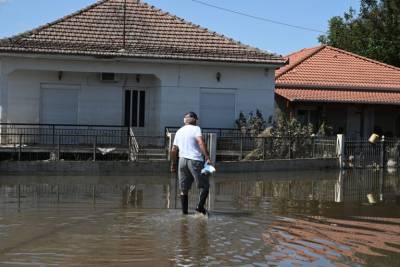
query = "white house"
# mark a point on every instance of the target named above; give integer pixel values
(131, 65)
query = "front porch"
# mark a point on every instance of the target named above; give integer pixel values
(82, 97)
(54, 142)
(353, 120)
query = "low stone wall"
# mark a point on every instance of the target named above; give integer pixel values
(103, 167)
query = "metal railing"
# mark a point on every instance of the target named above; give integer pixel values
(102, 142)
(263, 148)
(30, 144)
(220, 132)
(364, 154)
(133, 146)
(48, 133)
(89, 147)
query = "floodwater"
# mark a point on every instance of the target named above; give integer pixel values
(266, 219)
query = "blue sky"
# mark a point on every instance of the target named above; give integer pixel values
(17, 16)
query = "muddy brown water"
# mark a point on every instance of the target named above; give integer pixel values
(335, 218)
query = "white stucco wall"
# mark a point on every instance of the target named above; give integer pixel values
(171, 89)
(1, 86)
(252, 86)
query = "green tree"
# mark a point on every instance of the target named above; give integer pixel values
(241, 122)
(374, 32)
(256, 123)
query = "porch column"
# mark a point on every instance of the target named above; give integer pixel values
(2, 86)
(4, 73)
(3, 97)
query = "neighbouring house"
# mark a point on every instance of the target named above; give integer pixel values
(353, 94)
(131, 65)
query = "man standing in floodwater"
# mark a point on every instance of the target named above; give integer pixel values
(193, 153)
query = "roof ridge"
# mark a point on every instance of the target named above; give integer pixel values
(209, 30)
(301, 50)
(362, 57)
(302, 59)
(47, 25)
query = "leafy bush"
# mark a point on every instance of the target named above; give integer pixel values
(254, 124)
(284, 139)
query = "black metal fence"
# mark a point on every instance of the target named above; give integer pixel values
(262, 148)
(220, 132)
(49, 134)
(66, 147)
(364, 154)
(102, 142)
(30, 142)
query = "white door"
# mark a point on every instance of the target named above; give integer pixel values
(59, 106)
(217, 110)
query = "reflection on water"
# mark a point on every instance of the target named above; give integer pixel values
(280, 219)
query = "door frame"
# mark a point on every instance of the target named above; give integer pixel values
(147, 104)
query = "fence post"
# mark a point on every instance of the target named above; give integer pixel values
(20, 147)
(241, 148)
(383, 152)
(263, 148)
(94, 147)
(340, 149)
(129, 149)
(212, 149)
(54, 134)
(313, 145)
(58, 147)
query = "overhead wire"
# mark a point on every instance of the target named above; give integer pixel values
(276, 22)
(257, 17)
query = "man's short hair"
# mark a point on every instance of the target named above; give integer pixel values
(192, 115)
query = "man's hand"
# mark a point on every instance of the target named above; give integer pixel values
(173, 167)
(208, 161)
(203, 148)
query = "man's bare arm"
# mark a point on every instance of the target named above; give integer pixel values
(174, 157)
(203, 148)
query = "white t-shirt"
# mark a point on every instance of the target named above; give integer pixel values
(185, 140)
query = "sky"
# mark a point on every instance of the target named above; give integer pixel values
(17, 16)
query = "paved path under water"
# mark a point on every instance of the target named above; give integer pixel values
(265, 219)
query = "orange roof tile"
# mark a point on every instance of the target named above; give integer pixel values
(339, 96)
(329, 67)
(98, 30)
(328, 74)
(297, 57)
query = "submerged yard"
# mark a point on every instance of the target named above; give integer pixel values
(305, 218)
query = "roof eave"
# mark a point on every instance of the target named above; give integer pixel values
(296, 100)
(273, 63)
(335, 87)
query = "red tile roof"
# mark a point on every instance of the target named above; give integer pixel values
(328, 74)
(339, 96)
(297, 57)
(98, 30)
